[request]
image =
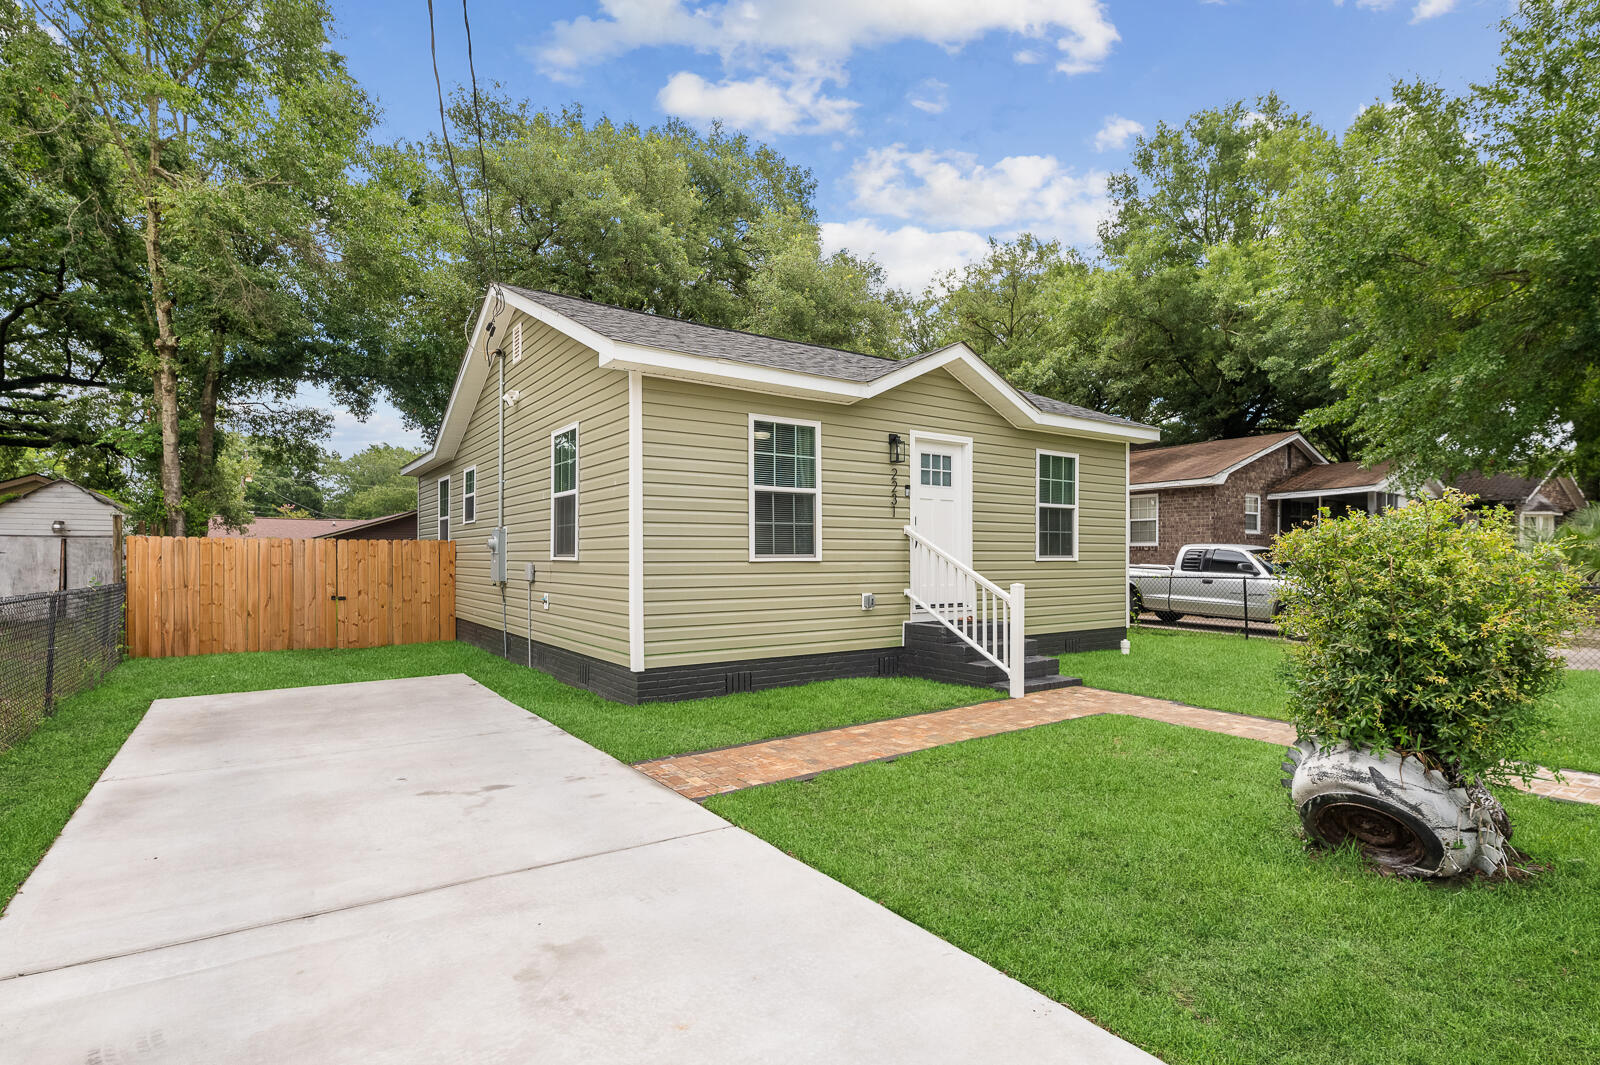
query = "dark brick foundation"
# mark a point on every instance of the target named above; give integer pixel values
(675, 683)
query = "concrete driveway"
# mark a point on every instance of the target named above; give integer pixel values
(420, 871)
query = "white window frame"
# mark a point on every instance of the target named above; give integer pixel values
(577, 480)
(472, 496)
(1537, 526)
(1248, 514)
(441, 526)
(815, 492)
(1155, 497)
(1075, 506)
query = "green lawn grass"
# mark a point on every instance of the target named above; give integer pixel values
(43, 779)
(1202, 669)
(1244, 677)
(1152, 878)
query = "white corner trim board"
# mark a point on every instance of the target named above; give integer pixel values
(635, 522)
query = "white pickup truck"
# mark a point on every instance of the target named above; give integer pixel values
(1210, 580)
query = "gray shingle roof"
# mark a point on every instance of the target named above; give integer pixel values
(692, 338)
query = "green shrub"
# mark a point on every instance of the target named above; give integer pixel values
(1426, 630)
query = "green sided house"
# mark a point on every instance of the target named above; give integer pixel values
(654, 509)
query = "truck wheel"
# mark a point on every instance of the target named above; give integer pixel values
(1403, 818)
(1169, 616)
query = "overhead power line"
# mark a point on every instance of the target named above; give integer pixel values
(483, 163)
(444, 129)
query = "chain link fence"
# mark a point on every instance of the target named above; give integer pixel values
(1246, 606)
(1583, 650)
(53, 645)
(1213, 602)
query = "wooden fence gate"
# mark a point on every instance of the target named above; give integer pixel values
(202, 595)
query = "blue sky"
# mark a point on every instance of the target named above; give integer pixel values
(929, 124)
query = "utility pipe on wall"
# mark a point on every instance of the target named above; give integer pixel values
(500, 502)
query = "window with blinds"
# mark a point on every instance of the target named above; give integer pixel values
(564, 493)
(1057, 506)
(1144, 521)
(784, 496)
(444, 508)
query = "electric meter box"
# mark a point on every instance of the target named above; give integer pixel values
(497, 556)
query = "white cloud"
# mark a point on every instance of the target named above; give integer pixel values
(745, 32)
(758, 103)
(1116, 132)
(929, 95)
(910, 255)
(1427, 9)
(953, 189)
(1026, 56)
(1424, 9)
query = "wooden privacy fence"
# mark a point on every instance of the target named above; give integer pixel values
(199, 595)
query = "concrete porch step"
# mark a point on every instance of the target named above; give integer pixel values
(1040, 684)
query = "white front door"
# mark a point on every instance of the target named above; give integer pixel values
(941, 505)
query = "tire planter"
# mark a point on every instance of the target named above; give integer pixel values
(1404, 818)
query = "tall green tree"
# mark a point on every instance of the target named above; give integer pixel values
(368, 483)
(797, 292)
(997, 305)
(1460, 237)
(233, 126)
(708, 227)
(70, 329)
(1188, 322)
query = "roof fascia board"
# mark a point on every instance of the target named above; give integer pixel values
(456, 416)
(727, 373)
(1315, 493)
(440, 449)
(968, 368)
(1151, 486)
(619, 355)
(1296, 438)
(959, 359)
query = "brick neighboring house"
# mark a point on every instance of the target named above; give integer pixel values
(1242, 490)
(1539, 504)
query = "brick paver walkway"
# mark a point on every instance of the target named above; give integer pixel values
(714, 772)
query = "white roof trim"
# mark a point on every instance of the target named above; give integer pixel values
(65, 482)
(1220, 478)
(959, 359)
(1556, 474)
(1317, 493)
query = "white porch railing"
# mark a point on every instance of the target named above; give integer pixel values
(987, 618)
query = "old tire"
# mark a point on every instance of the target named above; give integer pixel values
(1403, 818)
(1169, 616)
(1135, 603)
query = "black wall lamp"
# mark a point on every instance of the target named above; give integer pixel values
(897, 449)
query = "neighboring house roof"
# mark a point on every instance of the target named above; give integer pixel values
(1208, 462)
(1334, 478)
(655, 344)
(1554, 494)
(28, 483)
(283, 528)
(404, 523)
